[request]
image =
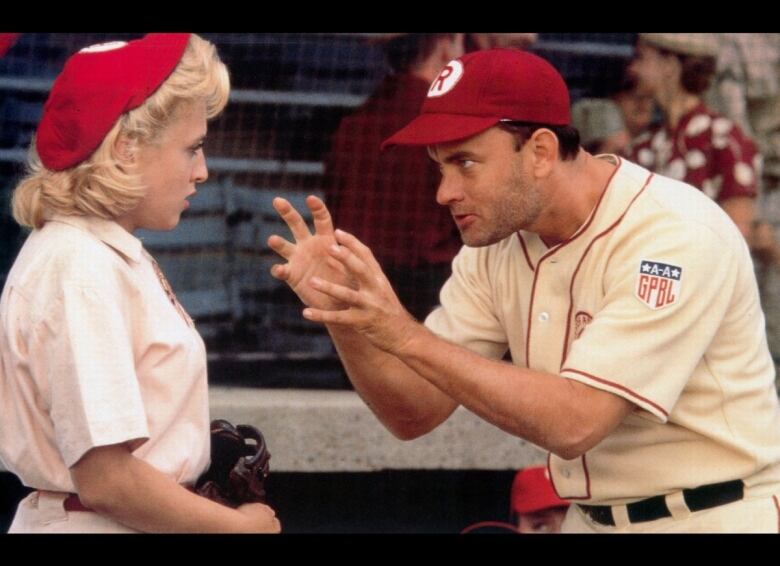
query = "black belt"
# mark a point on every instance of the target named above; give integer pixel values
(652, 508)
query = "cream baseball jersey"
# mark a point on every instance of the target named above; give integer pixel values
(653, 299)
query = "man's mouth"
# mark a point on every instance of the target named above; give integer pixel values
(464, 220)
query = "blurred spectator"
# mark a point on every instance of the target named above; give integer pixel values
(601, 126)
(535, 507)
(388, 199)
(476, 41)
(616, 83)
(694, 144)
(746, 89)
(636, 107)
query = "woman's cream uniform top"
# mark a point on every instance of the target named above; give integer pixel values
(94, 352)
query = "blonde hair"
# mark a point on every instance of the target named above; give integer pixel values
(99, 185)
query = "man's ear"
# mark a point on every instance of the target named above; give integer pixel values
(544, 145)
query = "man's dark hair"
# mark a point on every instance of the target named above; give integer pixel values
(568, 136)
(405, 51)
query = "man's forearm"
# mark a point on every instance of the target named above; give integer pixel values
(404, 402)
(561, 415)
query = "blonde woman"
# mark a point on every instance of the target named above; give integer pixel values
(103, 387)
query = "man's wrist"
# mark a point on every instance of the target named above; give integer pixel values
(410, 337)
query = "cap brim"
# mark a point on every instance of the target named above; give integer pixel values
(431, 129)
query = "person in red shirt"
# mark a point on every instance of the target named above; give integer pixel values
(387, 199)
(535, 507)
(694, 144)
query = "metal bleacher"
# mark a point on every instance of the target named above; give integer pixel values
(289, 93)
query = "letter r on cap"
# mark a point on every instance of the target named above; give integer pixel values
(447, 79)
(438, 84)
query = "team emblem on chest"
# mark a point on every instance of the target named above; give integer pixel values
(658, 284)
(581, 320)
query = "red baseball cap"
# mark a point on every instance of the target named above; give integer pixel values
(97, 86)
(532, 491)
(478, 90)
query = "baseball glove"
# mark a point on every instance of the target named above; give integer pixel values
(239, 465)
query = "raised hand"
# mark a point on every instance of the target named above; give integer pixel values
(308, 257)
(371, 307)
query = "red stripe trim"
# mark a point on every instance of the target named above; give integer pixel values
(530, 312)
(587, 483)
(587, 475)
(525, 251)
(777, 506)
(552, 252)
(617, 386)
(550, 474)
(584, 229)
(585, 253)
(555, 489)
(73, 503)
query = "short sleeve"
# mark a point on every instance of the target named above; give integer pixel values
(83, 350)
(665, 297)
(467, 315)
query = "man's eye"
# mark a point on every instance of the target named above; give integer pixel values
(466, 163)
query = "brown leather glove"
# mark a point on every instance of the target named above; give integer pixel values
(239, 465)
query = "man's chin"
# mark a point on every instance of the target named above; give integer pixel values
(477, 241)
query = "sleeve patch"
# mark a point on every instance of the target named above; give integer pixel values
(658, 285)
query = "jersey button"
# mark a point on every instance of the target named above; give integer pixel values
(566, 473)
(544, 317)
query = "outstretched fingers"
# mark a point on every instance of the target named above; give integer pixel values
(281, 246)
(281, 271)
(323, 223)
(358, 268)
(341, 293)
(358, 248)
(292, 218)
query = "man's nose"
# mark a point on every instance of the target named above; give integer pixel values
(450, 189)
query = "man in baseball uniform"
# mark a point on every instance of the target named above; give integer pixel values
(627, 301)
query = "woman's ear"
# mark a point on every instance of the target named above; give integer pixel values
(125, 150)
